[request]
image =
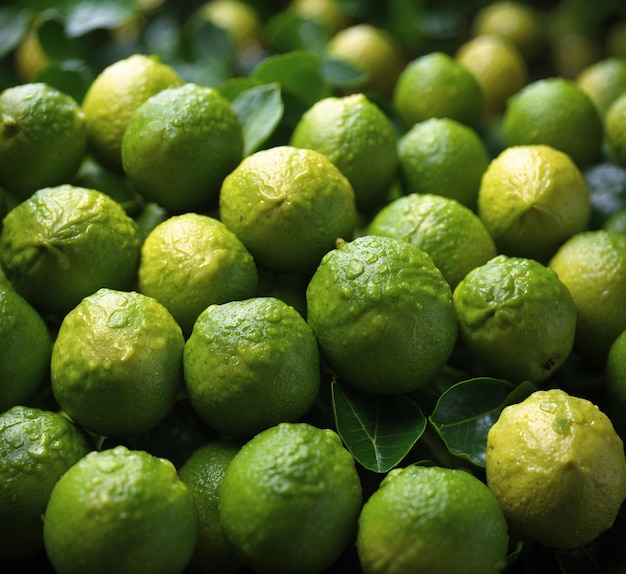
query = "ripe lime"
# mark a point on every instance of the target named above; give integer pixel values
(357, 136)
(143, 517)
(43, 138)
(432, 519)
(556, 112)
(191, 261)
(516, 319)
(442, 156)
(36, 448)
(250, 365)
(437, 85)
(180, 144)
(604, 81)
(615, 381)
(117, 363)
(241, 20)
(288, 206)
(331, 14)
(531, 199)
(25, 347)
(557, 467)
(382, 313)
(289, 500)
(615, 130)
(452, 234)
(64, 243)
(203, 473)
(112, 97)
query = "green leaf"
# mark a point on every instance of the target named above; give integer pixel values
(260, 110)
(84, 17)
(287, 31)
(343, 74)
(72, 77)
(466, 411)
(379, 430)
(13, 26)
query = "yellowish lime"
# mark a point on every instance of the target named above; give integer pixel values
(604, 81)
(615, 130)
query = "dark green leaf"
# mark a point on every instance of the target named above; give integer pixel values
(260, 110)
(466, 411)
(54, 41)
(13, 25)
(72, 77)
(287, 31)
(206, 40)
(83, 17)
(379, 430)
(232, 87)
(343, 74)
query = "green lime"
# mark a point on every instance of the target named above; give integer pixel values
(557, 467)
(432, 519)
(203, 473)
(604, 81)
(117, 363)
(289, 500)
(288, 206)
(25, 347)
(36, 448)
(64, 243)
(251, 364)
(441, 156)
(616, 221)
(382, 313)
(516, 319)
(357, 136)
(43, 138)
(615, 381)
(451, 233)
(615, 131)
(142, 517)
(180, 144)
(241, 20)
(191, 261)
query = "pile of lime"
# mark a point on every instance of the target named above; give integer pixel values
(312, 288)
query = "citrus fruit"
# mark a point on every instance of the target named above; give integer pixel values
(203, 473)
(592, 264)
(251, 364)
(117, 363)
(452, 234)
(516, 319)
(241, 20)
(382, 313)
(42, 138)
(442, 156)
(371, 49)
(30, 57)
(604, 81)
(499, 67)
(557, 467)
(432, 519)
(143, 517)
(329, 13)
(65, 242)
(615, 383)
(116, 92)
(25, 346)
(556, 112)
(437, 85)
(616, 222)
(517, 22)
(36, 448)
(191, 261)
(357, 136)
(531, 199)
(288, 206)
(290, 498)
(615, 131)
(180, 144)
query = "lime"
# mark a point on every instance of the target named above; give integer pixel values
(191, 261)
(556, 112)
(557, 467)
(180, 144)
(241, 20)
(451, 233)
(64, 243)
(616, 222)
(143, 517)
(36, 448)
(604, 81)
(289, 500)
(25, 347)
(43, 138)
(531, 199)
(288, 206)
(442, 156)
(615, 131)
(203, 473)
(382, 313)
(437, 85)
(516, 319)
(113, 96)
(432, 519)
(331, 14)
(117, 363)
(357, 136)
